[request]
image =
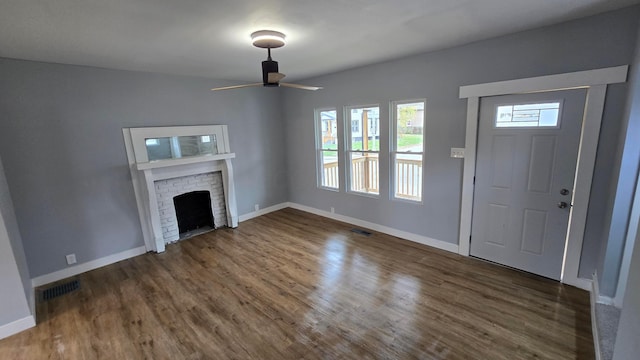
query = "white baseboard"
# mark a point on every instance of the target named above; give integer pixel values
(88, 266)
(32, 302)
(580, 283)
(594, 326)
(606, 300)
(443, 245)
(17, 326)
(264, 211)
(601, 299)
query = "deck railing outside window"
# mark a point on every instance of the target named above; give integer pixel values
(365, 170)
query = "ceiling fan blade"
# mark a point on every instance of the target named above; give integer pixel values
(236, 86)
(274, 77)
(303, 87)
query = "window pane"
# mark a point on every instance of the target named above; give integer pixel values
(327, 143)
(528, 115)
(365, 128)
(408, 149)
(177, 147)
(329, 127)
(409, 127)
(364, 172)
(330, 174)
(408, 175)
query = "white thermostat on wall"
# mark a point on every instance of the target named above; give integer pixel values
(457, 153)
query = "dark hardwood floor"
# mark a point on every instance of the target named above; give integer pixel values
(291, 285)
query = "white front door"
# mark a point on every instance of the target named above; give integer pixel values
(526, 162)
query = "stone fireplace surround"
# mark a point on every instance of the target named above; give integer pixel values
(167, 189)
(146, 175)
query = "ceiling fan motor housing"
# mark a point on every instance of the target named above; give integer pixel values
(269, 66)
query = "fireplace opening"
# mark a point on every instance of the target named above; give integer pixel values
(193, 212)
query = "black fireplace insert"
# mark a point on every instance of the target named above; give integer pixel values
(193, 211)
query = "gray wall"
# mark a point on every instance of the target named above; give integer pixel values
(600, 41)
(628, 153)
(627, 345)
(14, 275)
(65, 161)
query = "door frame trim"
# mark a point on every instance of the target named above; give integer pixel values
(595, 81)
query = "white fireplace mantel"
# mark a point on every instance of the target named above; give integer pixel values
(144, 173)
(184, 161)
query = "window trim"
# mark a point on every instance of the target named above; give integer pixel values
(393, 108)
(347, 149)
(319, 150)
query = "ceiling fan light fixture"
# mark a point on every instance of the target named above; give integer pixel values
(271, 76)
(268, 39)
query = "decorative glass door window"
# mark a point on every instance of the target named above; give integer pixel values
(528, 115)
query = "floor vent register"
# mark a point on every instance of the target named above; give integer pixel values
(59, 290)
(361, 232)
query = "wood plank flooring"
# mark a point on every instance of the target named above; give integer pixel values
(291, 285)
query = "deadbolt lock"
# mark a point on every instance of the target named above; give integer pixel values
(564, 192)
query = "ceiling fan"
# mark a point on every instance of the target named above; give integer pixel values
(268, 39)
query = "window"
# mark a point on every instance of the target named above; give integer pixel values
(168, 143)
(374, 127)
(327, 149)
(528, 115)
(408, 149)
(176, 147)
(363, 149)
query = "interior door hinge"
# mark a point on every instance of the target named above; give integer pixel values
(469, 239)
(474, 180)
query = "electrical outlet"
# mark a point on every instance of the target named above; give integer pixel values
(257, 207)
(457, 153)
(333, 210)
(71, 259)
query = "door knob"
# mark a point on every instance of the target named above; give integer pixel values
(562, 204)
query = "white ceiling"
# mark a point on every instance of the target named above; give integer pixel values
(211, 37)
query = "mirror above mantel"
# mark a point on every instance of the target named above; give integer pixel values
(177, 147)
(178, 142)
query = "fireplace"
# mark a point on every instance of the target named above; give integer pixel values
(193, 211)
(199, 162)
(170, 189)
